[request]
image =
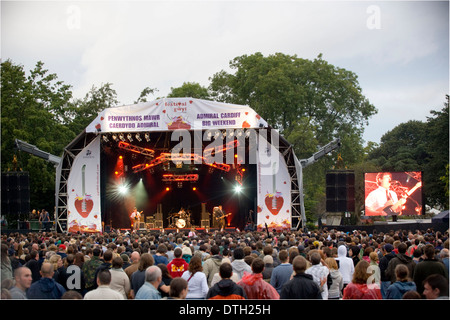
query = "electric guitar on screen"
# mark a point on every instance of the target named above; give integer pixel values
(396, 208)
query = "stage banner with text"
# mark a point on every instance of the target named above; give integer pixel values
(83, 189)
(274, 188)
(176, 113)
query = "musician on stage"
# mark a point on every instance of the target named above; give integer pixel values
(220, 216)
(381, 198)
(136, 218)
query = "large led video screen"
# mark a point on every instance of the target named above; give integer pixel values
(393, 193)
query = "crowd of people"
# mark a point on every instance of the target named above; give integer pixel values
(322, 264)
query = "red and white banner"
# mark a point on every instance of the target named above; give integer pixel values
(274, 189)
(176, 113)
(83, 188)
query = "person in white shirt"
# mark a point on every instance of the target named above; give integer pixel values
(197, 283)
(103, 291)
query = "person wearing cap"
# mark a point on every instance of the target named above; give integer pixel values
(384, 262)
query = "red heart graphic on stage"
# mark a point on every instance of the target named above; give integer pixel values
(267, 217)
(79, 206)
(164, 111)
(279, 201)
(101, 118)
(246, 113)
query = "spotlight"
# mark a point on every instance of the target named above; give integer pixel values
(147, 136)
(167, 189)
(130, 137)
(194, 189)
(105, 138)
(138, 137)
(114, 136)
(237, 189)
(121, 137)
(123, 189)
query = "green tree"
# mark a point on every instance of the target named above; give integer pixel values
(83, 111)
(310, 102)
(419, 146)
(189, 89)
(34, 110)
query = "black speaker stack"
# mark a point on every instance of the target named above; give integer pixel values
(340, 191)
(15, 193)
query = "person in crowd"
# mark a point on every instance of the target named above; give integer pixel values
(178, 265)
(178, 289)
(403, 284)
(139, 276)
(360, 287)
(160, 255)
(384, 262)
(346, 266)
(374, 268)
(166, 280)
(212, 264)
(319, 273)
(119, 279)
(254, 285)
(196, 279)
(226, 289)
(268, 267)
(443, 256)
(90, 268)
(400, 258)
(337, 281)
(7, 272)
(435, 286)
(135, 257)
(283, 272)
(33, 265)
(23, 280)
(302, 285)
(430, 265)
(238, 264)
(103, 290)
(46, 287)
(149, 290)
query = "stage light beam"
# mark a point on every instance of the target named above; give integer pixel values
(237, 189)
(123, 189)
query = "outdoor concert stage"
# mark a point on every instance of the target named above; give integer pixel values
(175, 153)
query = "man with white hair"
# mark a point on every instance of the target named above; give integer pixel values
(149, 290)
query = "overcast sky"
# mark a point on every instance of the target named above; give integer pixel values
(398, 49)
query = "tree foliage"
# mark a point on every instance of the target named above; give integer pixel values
(419, 146)
(309, 102)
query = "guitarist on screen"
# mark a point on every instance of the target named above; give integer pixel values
(384, 202)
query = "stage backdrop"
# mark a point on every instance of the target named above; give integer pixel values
(83, 188)
(274, 189)
(274, 184)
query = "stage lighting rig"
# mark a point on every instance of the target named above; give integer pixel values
(138, 137)
(122, 137)
(147, 137)
(130, 137)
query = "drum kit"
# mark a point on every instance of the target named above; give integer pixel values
(180, 219)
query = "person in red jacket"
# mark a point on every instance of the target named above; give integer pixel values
(361, 286)
(178, 265)
(254, 285)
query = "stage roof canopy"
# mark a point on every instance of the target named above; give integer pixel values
(175, 113)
